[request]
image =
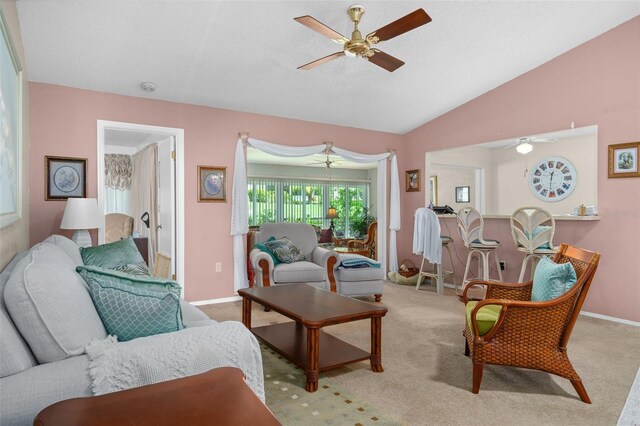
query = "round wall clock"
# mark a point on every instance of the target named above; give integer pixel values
(553, 179)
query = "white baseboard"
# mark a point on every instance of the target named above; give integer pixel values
(608, 318)
(215, 301)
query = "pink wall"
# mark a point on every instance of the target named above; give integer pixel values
(63, 122)
(595, 83)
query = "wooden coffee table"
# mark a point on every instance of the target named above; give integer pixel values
(217, 397)
(311, 309)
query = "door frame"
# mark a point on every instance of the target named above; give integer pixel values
(178, 134)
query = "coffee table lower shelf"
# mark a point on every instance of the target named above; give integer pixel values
(289, 339)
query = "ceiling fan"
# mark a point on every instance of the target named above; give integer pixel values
(523, 145)
(361, 47)
(328, 162)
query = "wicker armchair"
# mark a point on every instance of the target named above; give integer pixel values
(369, 244)
(531, 334)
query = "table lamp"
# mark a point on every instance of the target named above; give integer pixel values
(332, 213)
(81, 214)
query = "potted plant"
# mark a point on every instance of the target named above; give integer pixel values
(360, 222)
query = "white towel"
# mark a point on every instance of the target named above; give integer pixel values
(426, 235)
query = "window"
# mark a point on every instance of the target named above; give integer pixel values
(306, 201)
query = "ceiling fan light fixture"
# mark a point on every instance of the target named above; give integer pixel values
(524, 148)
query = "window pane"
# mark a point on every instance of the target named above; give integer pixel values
(306, 201)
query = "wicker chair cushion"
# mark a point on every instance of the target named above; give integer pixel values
(552, 280)
(486, 316)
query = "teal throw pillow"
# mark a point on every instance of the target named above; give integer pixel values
(537, 230)
(552, 280)
(129, 311)
(145, 281)
(264, 248)
(285, 250)
(119, 254)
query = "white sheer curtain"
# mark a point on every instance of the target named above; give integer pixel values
(117, 201)
(240, 206)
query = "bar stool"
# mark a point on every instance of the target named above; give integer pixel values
(437, 272)
(428, 242)
(470, 226)
(532, 229)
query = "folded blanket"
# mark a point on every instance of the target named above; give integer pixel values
(357, 261)
(115, 366)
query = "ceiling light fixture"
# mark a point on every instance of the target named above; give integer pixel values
(148, 86)
(524, 148)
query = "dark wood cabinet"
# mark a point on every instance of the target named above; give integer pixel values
(143, 247)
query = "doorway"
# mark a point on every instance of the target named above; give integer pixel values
(128, 138)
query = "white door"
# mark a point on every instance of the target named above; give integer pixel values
(167, 199)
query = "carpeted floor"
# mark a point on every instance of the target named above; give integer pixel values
(329, 405)
(427, 378)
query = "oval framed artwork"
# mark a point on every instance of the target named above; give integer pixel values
(212, 184)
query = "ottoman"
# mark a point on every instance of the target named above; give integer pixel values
(360, 282)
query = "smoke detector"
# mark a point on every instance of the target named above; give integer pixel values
(148, 86)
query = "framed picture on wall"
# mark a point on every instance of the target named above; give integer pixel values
(65, 177)
(623, 160)
(463, 194)
(412, 180)
(11, 133)
(212, 183)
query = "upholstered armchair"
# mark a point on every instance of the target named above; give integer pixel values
(317, 270)
(507, 328)
(117, 226)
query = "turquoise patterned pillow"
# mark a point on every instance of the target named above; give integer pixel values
(129, 312)
(110, 275)
(113, 255)
(551, 280)
(285, 250)
(264, 248)
(134, 269)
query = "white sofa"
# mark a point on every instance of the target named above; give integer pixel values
(29, 381)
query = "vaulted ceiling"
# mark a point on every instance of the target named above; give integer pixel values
(243, 55)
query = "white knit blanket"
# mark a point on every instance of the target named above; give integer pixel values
(115, 366)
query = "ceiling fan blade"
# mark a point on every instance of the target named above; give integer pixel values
(321, 61)
(315, 25)
(512, 144)
(543, 140)
(385, 60)
(407, 23)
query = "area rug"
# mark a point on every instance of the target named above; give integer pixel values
(329, 405)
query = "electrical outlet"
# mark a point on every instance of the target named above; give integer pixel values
(503, 265)
(218, 267)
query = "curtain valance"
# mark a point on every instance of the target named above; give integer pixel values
(118, 170)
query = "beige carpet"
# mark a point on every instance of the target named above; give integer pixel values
(427, 378)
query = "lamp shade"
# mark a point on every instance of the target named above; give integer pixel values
(81, 213)
(332, 213)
